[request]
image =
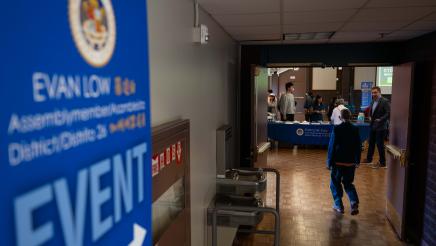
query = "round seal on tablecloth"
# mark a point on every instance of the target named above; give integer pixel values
(300, 132)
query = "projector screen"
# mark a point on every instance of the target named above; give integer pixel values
(324, 78)
(384, 79)
(362, 74)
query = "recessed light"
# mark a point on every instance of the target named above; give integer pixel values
(291, 36)
(308, 36)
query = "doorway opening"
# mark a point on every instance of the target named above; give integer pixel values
(389, 206)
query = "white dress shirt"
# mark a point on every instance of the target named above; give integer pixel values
(374, 105)
(336, 115)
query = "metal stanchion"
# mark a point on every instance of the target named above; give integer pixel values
(277, 173)
(214, 228)
(273, 211)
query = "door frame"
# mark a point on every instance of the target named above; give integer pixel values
(415, 189)
(253, 143)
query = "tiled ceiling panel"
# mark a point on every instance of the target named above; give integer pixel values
(358, 36)
(261, 42)
(352, 20)
(240, 6)
(312, 27)
(421, 25)
(431, 17)
(318, 16)
(402, 35)
(312, 5)
(249, 19)
(321, 41)
(401, 3)
(373, 26)
(393, 14)
(257, 30)
(411, 34)
(265, 37)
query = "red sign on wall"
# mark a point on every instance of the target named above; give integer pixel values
(155, 165)
(179, 152)
(162, 161)
(171, 153)
(168, 156)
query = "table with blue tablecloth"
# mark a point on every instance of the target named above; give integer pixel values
(308, 134)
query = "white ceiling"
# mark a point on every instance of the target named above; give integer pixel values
(266, 21)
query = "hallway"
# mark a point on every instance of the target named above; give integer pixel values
(306, 205)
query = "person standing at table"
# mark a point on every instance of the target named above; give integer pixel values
(308, 101)
(272, 102)
(287, 103)
(343, 158)
(332, 106)
(380, 113)
(336, 114)
(317, 109)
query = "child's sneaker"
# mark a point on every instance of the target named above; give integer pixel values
(355, 209)
(338, 209)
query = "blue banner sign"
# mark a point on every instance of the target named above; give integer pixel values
(366, 94)
(75, 165)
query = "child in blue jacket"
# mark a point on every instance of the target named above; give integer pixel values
(343, 157)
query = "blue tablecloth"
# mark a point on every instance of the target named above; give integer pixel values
(315, 134)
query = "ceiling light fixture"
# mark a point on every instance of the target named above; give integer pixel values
(308, 36)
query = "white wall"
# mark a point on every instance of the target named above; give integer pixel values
(324, 78)
(200, 86)
(363, 74)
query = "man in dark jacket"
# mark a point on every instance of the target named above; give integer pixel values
(380, 110)
(343, 157)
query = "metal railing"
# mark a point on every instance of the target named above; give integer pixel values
(275, 211)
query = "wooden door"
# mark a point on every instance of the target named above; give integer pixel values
(399, 139)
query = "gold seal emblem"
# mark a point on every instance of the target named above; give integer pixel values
(92, 24)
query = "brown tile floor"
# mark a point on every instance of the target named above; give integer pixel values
(306, 214)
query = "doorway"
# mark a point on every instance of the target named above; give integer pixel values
(398, 204)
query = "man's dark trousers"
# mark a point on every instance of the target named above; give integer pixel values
(377, 137)
(343, 175)
(290, 117)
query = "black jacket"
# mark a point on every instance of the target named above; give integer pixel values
(381, 114)
(344, 145)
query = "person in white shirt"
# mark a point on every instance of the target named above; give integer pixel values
(287, 103)
(336, 115)
(272, 102)
(272, 106)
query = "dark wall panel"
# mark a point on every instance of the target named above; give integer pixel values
(250, 56)
(424, 157)
(419, 49)
(332, 54)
